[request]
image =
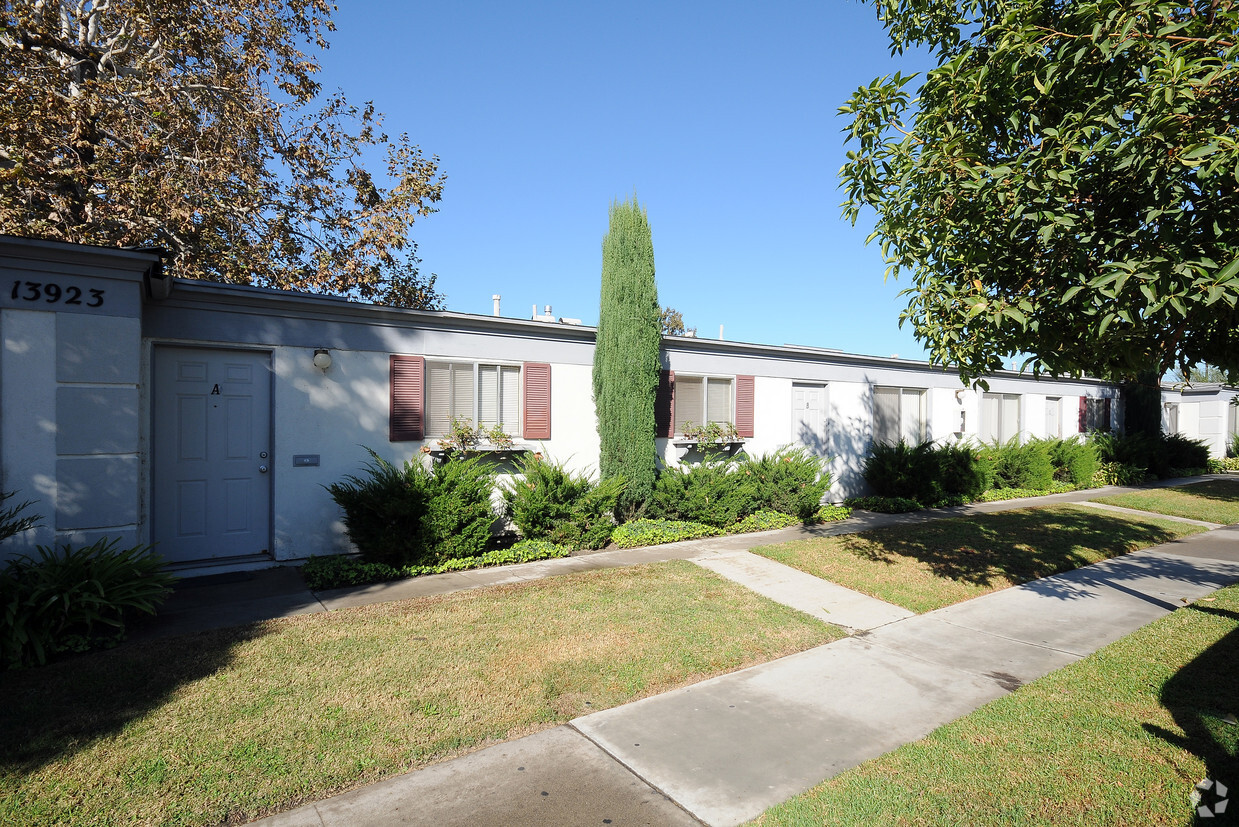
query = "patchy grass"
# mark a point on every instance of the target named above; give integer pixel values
(230, 725)
(1120, 737)
(929, 565)
(1214, 501)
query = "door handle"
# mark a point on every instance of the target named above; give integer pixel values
(262, 469)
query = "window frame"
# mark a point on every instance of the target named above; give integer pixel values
(678, 420)
(922, 413)
(513, 428)
(1002, 434)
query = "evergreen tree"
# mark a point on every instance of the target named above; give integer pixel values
(626, 361)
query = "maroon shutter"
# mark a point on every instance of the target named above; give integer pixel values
(406, 422)
(1083, 414)
(744, 406)
(1105, 412)
(537, 404)
(664, 404)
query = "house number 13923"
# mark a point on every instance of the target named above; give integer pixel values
(50, 292)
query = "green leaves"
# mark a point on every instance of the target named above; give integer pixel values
(1079, 162)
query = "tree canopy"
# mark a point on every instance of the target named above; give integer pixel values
(672, 323)
(1065, 184)
(199, 127)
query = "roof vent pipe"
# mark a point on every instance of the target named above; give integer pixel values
(495, 298)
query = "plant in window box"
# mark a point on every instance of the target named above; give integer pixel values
(499, 439)
(711, 433)
(461, 436)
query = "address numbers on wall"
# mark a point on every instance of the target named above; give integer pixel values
(50, 292)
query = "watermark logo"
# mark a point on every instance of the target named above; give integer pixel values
(1209, 798)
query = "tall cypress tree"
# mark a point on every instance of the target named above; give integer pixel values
(626, 355)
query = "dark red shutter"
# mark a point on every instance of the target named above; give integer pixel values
(744, 406)
(1083, 414)
(1105, 412)
(664, 404)
(537, 404)
(406, 423)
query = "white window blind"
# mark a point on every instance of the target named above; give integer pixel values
(1000, 417)
(899, 413)
(718, 401)
(689, 401)
(499, 397)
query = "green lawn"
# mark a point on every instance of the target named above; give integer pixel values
(930, 565)
(233, 724)
(1214, 501)
(1118, 738)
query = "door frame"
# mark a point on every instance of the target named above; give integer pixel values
(148, 399)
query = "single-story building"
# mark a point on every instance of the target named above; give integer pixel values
(207, 418)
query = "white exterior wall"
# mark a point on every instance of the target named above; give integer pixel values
(28, 430)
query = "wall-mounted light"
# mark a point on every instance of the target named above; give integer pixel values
(959, 396)
(322, 359)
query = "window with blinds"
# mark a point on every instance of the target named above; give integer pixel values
(485, 395)
(1000, 417)
(702, 399)
(899, 413)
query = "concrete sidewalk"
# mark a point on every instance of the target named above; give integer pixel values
(722, 751)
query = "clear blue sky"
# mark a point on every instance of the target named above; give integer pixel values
(720, 116)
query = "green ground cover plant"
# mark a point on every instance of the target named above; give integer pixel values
(1214, 501)
(764, 521)
(1120, 737)
(929, 565)
(340, 570)
(226, 726)
(643, 532)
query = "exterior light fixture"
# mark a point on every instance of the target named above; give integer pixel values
(959, 396)
(322, 359)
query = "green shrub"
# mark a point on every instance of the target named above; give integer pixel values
(1116, 473)
(1232, 447)
(764, 521)
(459, 516)
(550, 503)
(383, 511)
(1020, 465)
(415, 516)
(903, 471)
(790, 480)
(645, 532)
(1074, 460)
(72, 600)
(1155, 454)
(710, 493)
(883, 505)
(1178, 451)
(962, 474)
(832, 514)
(342, 570)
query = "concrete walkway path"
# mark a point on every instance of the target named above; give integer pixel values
(722, 751)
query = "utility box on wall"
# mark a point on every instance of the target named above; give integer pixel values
(70, 386)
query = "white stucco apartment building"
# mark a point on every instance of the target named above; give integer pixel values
(207, 418)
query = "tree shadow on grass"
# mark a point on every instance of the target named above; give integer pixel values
(53, 712)
(1200, 696)
(1018, 546)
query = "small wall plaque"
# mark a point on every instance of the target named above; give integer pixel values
(303, 460)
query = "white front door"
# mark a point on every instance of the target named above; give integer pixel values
(809, 417)
(211, 492)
